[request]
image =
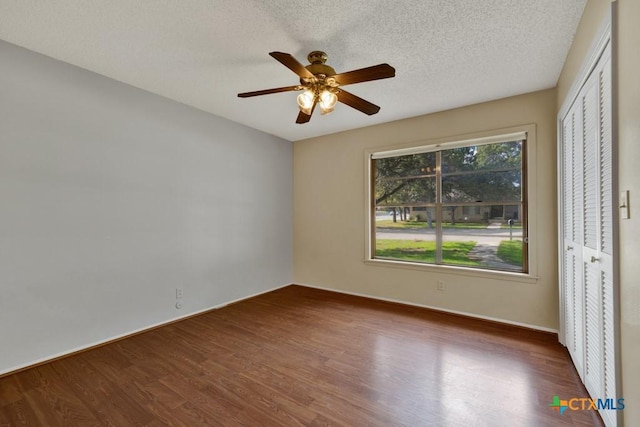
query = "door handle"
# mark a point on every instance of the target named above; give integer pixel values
(594, 259)
(569, 248)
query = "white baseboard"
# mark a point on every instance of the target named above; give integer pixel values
(195, 313)
(95, 344)
(445, 310)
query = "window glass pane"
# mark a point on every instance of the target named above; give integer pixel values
(406, 166)
(401, 192)
(485, 173)
(411, 240)
(491, 239)
(482, 187)
(483, 157)
(496, 156)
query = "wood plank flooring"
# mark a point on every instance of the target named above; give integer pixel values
(305, 357)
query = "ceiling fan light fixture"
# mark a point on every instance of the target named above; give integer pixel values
(305, 101)
(328, 101)
(321, 85)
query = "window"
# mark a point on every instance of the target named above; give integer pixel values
(456, 204)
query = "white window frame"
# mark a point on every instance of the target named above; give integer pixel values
(423, 146)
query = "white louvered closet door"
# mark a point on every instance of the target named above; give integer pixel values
(572, 235)
(590, 249)
(587, 215)
(607, 214)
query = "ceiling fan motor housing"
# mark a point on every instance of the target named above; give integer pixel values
(317, 65)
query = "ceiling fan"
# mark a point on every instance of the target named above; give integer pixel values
(322, 86)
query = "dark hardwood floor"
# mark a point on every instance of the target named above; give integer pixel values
(300, 356)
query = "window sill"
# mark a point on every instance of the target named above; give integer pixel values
(461, 271)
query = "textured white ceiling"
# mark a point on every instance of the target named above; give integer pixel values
(447, 53)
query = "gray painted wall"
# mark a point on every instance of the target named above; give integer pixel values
(111, 197)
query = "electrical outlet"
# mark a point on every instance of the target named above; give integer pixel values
(179, 293)
(441, 285)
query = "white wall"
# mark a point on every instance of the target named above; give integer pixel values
(330, 215)
(111, 197)
(629, 179)
(627, 34)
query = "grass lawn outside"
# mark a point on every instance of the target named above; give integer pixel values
(453, 253)
(511, 251)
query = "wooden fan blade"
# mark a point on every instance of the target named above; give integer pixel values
(292, 63)
(268, 91)
(358, 103)
(303, 117)
(376, 72)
